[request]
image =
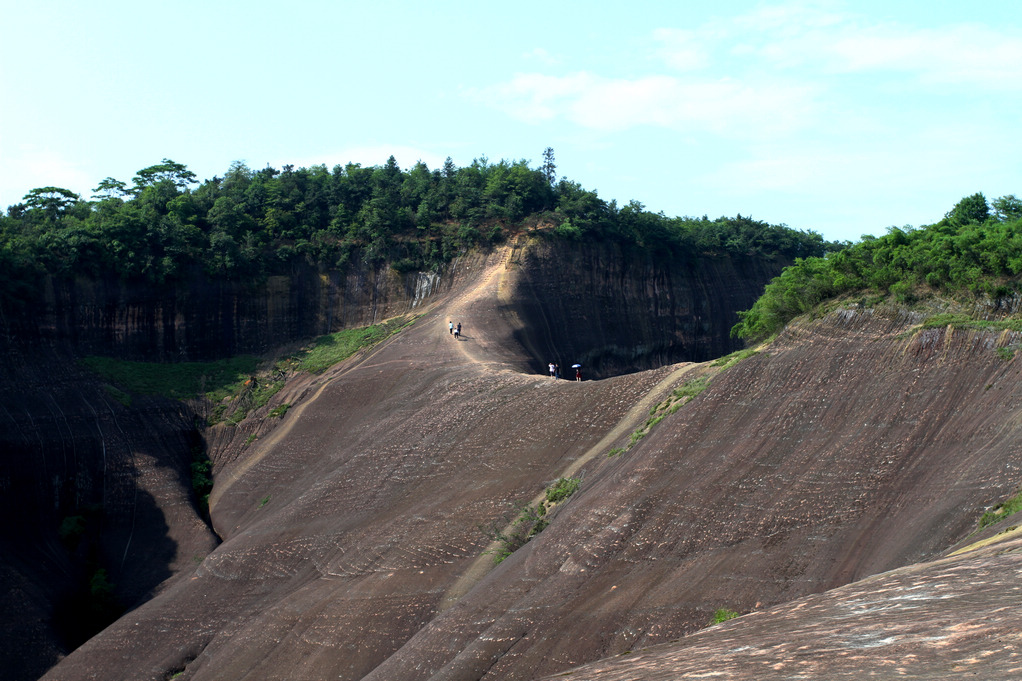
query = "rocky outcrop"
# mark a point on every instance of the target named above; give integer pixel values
(616, 309)
(97, 505)
(854, 445)
(202, 318)
(951, 618)
(851, 447)
(100, 480)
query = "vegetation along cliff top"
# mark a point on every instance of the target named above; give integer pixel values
(251, 223)
(338, 511)
(975, 251)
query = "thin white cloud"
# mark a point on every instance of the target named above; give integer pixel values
(935, 156)
(775, 71)
(818, 40)
(683, 49)
(966, 55)
(724, 106)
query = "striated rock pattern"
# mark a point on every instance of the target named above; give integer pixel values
(854, 445)
(72, 452)
(616, 309)
(202, 318)
(953, 618)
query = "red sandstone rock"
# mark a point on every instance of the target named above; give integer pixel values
(851, 447)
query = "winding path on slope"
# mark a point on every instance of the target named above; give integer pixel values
(488, 345)
(493, 288)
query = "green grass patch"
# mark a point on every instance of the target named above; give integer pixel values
(511, 535)
(962, 321)
(238, 385)
(723, 615)
(279, 411)
(1001, 510)
(678, 398)
(562, 489)
(690, 389)
(513, 532)
(180, 381)
(326, 351)
(728, 361)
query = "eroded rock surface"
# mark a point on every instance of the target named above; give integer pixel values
(854, 445)
(851, 447)
(71, 449)
(958, 617)
(836, 455)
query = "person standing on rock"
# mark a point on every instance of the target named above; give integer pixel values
(459, 330)
(450, 326)
(578, 374)
(553, 370)
(457, 334)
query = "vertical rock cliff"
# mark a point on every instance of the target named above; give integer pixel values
(616, 309)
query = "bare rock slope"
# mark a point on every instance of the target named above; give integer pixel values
(851, 446)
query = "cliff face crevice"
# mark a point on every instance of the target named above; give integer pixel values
(203, 318)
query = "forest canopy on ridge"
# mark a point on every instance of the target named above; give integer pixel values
(976, 250)
(166, 225)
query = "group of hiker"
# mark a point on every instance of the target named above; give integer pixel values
(555, 370)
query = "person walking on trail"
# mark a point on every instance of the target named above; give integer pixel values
(459, 329)
(457, 333)
(450, 326)
(578, 374)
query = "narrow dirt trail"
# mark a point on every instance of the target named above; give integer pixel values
(635, 416)
(460, 306)
(479, 301)
(488, 331)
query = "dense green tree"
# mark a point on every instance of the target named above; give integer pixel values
(51, 201)
(970, 209)
(109, 188)
(1007, 208)
(168, 171)
(549, 168)
(253, 223)
(965, 254)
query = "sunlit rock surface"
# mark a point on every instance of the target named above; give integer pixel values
(852, 446)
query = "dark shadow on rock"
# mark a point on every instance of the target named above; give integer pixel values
(618, 313)
(82, 536)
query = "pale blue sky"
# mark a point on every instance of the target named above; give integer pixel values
(842, 117)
